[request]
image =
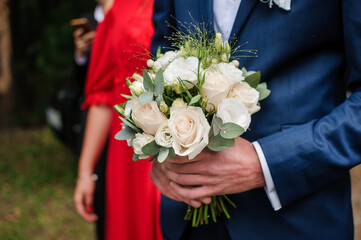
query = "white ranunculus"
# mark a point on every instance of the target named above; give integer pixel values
(163, 137)
(247, 94)
(219, 80)
(129, 106)
(189, 129)
(233, 110)
(164, 61)
(148, 117)
(140, 141)
(183, 68)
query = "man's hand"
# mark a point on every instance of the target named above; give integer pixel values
(83, 42)
(234, 170)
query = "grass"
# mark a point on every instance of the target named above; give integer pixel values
(36, 186)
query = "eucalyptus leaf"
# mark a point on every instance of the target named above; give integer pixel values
(135, 157)
(195, 99)
(150, 149)
(231, 130)
(218, 143)
(147, 81)
(125, 134)
(253, 79)
(145, 97)
(263, 91)
(216, 125)
(163, 154)
(159, 83)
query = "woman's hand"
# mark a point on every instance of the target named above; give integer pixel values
(83, 198)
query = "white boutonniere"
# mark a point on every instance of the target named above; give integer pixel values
(284, 4)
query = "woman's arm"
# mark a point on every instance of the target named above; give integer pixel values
(96, 134)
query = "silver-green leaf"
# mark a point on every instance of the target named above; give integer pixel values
(253, 79)
(145, 97)
(150, 149)
(125, 134)
(147, 82)
(216, 125)
(218, 143)
(159, 83)
(231, 130)
(163, 154)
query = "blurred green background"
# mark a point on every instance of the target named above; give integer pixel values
(37, 172)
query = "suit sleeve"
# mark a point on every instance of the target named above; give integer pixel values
(163, 16)
(305, 158)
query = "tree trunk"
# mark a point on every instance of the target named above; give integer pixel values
(5, 65)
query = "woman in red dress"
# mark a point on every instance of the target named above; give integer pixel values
(132, 201)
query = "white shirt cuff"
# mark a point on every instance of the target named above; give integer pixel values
(80, 61)
(270, 186)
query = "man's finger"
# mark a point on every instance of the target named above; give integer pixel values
(193, 193)
(190, 179)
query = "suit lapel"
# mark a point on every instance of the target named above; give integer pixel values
(245, 9)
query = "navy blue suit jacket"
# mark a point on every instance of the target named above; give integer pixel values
(309, 132)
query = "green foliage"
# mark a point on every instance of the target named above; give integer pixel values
(42, 52)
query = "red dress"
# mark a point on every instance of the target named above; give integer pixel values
(132, 201)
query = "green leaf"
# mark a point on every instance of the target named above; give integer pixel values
(150, 149)
(171, 153)
(129, 97)
(218, 143)
(216, 125)
(253, 79)
(125, 134)
(263, 91)
(159, 83)
(135, 157)
(131, 125)
(147, 82)
(163, 154)
(169, 101)
(231, 130)
(145, 97)
(194, 100)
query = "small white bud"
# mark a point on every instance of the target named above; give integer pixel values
(224, 57)
(235, 63)
(150, 63)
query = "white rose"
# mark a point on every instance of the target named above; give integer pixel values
(148, 116)
(189, 129)
(233, 110)
(167, 58)
(220, 78)
(163, 137)
(247, 94)
(183, 68)
(140, 141)
(129, 107)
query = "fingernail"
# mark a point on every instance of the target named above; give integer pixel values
(89, 209)
(195, 204)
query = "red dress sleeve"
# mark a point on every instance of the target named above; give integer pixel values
(99, 83)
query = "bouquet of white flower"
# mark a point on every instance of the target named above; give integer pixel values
(189, 99)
